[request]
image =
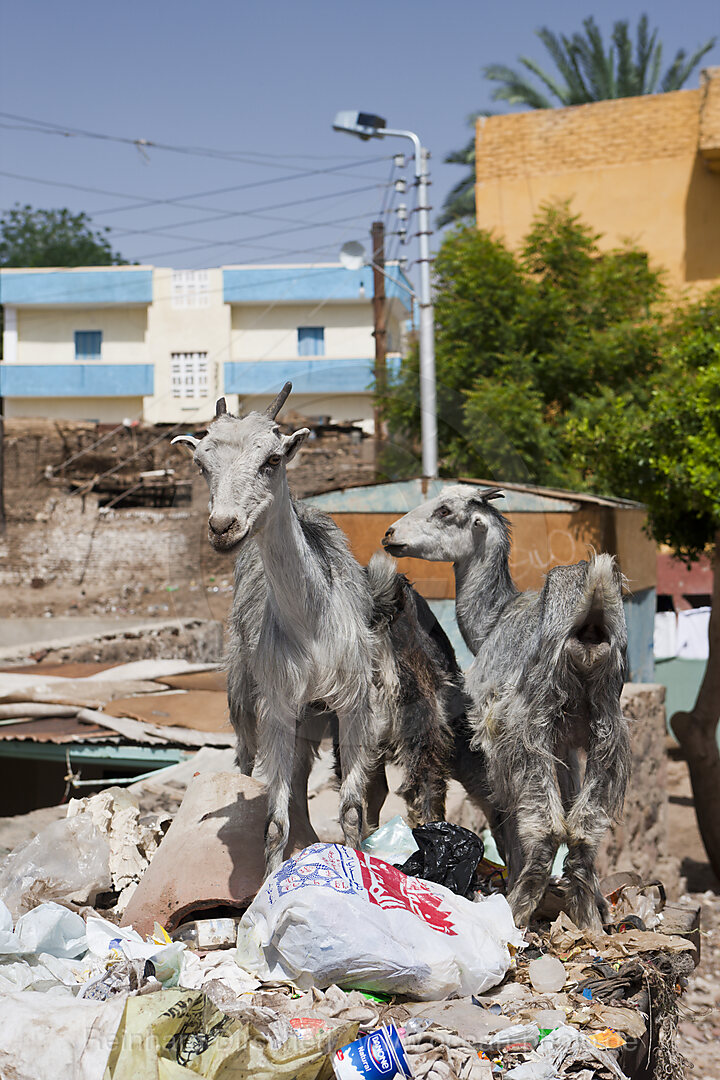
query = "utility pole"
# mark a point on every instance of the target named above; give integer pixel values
(380, 332)
(368, 126)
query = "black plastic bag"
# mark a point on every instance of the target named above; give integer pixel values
(448, 855)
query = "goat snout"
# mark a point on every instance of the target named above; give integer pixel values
(387, 538)
(221, 523)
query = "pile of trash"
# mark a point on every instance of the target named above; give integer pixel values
(401, 959)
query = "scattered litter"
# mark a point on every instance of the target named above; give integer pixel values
(547, 974)
(379, 1054)
(520, 1038)
(417, 938)
(51, 928)
(451, 990)
(567, 1048)
(208, 934)
(448, 855)
(68, 861)
(393, 842)
(181, 1033)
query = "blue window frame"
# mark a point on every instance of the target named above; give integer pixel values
(311, 340)
(88, 344)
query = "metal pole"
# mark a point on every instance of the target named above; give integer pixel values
(379, 332)
(428, 393)
(428, 396)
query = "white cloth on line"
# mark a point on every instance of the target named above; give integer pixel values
(692, 634)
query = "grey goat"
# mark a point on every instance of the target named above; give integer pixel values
(545, 684)
(314, 637)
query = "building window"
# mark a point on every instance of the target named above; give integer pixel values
(311, 340)
(88, 344)
(189, 374)
(190, 289)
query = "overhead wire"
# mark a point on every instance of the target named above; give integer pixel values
(251, 157)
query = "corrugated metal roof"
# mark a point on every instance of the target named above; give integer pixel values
(398, 497)
(55, 729)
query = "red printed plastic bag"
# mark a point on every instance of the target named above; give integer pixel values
(334, 915)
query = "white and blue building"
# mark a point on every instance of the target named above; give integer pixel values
(160, 345)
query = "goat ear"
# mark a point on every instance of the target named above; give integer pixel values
(293, 442)
(188, 442)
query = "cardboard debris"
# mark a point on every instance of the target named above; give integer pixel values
(200, 710)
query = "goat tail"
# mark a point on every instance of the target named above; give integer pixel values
(597, 634)
(386, 587)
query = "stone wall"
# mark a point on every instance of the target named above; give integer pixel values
(199, 641)
(639, 841)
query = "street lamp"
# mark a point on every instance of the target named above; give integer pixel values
(368, 126)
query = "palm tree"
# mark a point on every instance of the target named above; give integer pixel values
(460, 200)
(587, 72)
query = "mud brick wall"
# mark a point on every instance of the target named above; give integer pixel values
(582, 137)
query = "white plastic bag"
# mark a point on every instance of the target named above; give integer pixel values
(51, 928)
(334, 915)
(68, 860)
(9, 943)
(393, 842)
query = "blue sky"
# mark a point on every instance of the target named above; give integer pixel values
(259, 83)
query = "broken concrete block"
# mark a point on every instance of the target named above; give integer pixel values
(213, 854)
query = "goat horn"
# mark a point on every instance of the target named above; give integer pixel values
(220, 407)
(274, 408)
(186, 440)
(492, 493)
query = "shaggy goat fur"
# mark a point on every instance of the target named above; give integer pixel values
(545, 684)
(311, 635)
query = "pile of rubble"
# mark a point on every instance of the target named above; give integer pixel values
(137, 935)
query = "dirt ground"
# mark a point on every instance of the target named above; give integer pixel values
(699, 1030)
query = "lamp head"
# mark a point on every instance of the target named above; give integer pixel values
(364, 125)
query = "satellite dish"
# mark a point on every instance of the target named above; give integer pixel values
(353, 255)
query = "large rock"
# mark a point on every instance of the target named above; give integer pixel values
(212, 855)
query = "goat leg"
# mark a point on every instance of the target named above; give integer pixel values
(376, 795)
(242, 717)
(357, 765)
(424, 746)
(277, 731)
(532, 833)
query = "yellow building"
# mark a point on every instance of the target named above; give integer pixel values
(644, 169)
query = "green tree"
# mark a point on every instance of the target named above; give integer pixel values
(587, 70)
(523, 342)
(30, 237)
(659, 442)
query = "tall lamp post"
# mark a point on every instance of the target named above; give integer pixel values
(369, 126)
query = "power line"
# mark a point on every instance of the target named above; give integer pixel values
(257, 212)
(252, 157)
(251, 239)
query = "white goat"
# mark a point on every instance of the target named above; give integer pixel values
(311, 632)
(545, 684)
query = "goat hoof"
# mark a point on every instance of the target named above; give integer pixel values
(351, 821)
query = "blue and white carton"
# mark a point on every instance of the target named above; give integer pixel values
(377, 1056)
